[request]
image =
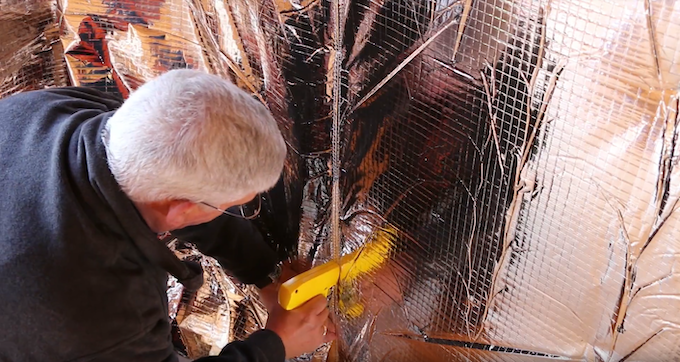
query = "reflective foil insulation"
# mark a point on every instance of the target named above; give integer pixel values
(524, 156)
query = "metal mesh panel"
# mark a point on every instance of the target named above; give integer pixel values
(525, 152)
(31, 56)
(221, 311)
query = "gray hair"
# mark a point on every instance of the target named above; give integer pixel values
(189, 135)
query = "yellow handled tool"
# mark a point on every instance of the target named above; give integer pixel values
(320, 279)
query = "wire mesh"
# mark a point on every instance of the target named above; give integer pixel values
(30, 54)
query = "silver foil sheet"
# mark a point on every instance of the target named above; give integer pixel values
(31, 54)
(221, 311)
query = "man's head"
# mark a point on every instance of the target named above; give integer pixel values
(188, 137)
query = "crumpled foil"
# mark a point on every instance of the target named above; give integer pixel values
(31, 56)
(526, 152)
(221, 311)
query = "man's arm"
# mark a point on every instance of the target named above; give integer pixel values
(237, 245)
(240, 248)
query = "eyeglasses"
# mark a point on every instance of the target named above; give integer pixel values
(246, 211)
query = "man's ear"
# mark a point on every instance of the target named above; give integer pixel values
(179, 212)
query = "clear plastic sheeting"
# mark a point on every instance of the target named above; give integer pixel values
(524, 153)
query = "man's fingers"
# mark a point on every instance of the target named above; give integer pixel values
(315, 305)
(331, 326)
(289, 269)
(331, 333)
(330, 336)
(299, 265)
(324, 314)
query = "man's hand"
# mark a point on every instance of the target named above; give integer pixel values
(269, 295)
(303, 329)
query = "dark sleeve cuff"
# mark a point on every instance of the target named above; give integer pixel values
(266, 344)
(237, 245)
(262, 346)
(261, 282)
(270, 343)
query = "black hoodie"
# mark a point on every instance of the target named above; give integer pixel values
(82, 277)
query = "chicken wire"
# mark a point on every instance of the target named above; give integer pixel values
(525, 151)
(31, 56)
(221, 311)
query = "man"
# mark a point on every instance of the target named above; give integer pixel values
(88, 185)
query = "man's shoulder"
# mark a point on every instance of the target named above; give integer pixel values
(79, 97)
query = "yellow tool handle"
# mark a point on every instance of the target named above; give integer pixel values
(303, 287)
(320, 279)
